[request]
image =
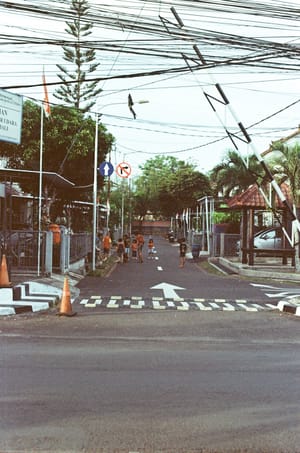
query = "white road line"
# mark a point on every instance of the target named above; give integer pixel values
(228, 307)
(157, 306)
(259, 307)
(112, 304)
(271, 306)
(247, 308)
(170, 304)
(84, 301)
(159, 268)
(139, 305)
(183, 306)
(202, 306)
(126, 302)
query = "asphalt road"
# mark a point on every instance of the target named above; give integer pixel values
(138, 280)
(150, 381)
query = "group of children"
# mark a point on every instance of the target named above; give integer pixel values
(134, 248)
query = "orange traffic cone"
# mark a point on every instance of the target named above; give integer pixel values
(65, 304)
(4, 280)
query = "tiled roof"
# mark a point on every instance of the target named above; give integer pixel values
(252, 198)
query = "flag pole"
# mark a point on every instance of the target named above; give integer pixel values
(95, 189)
(40, 190)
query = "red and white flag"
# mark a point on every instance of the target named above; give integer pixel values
(46, 98)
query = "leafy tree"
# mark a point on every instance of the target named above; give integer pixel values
(286, 164)
(231, 176)
(167, 186)
(68, 150)
(81, 94)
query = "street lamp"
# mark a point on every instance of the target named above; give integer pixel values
(95, 186)
(95, 190)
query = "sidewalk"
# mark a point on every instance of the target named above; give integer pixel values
(269, 268)
(29, 293)
(263, 268)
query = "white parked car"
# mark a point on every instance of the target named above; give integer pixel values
(270, 238)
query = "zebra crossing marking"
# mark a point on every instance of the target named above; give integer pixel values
(183, 306)
(203, 307)
(157, 306)
(179, 304)
(112, 304)
(246, 307)
(139, 305)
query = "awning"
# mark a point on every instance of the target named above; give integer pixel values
(16, 175)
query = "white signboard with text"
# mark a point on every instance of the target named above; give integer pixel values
(11, 107)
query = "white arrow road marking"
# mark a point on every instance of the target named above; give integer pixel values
(168, 290)
(278, 292)
(282, 294)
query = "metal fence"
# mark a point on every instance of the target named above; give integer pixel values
(215, 244)
(21, 249)
(80, 246)
(225, 244)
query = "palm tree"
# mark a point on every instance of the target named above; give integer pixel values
(286, 164)
(232, 176)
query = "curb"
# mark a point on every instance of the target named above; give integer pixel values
(290, 306)
(35, 295)
(259, 271)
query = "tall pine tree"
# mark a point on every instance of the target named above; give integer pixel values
(79, 94)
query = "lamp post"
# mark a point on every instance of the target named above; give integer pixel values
(95, 186)
(95, 190)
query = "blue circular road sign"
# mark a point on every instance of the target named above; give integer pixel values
(106, 169)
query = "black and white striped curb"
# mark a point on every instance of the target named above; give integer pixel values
(115, 302)
(28, 297)
(291, 306)
(37, 295)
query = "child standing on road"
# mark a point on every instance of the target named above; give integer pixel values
(120, 250)
(126, 248)
(140, 241)
(134, 248)
(182, 252)
(106, 245)
(150, 248)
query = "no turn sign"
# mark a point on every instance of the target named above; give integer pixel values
(123, 170)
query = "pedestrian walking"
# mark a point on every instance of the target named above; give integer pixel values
(134, 249)
(182, 252)
(106, 243)
(140, 240)
(120, 250)
(150, 248)
(126, 248)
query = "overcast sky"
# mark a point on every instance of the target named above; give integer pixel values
(253, 53)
